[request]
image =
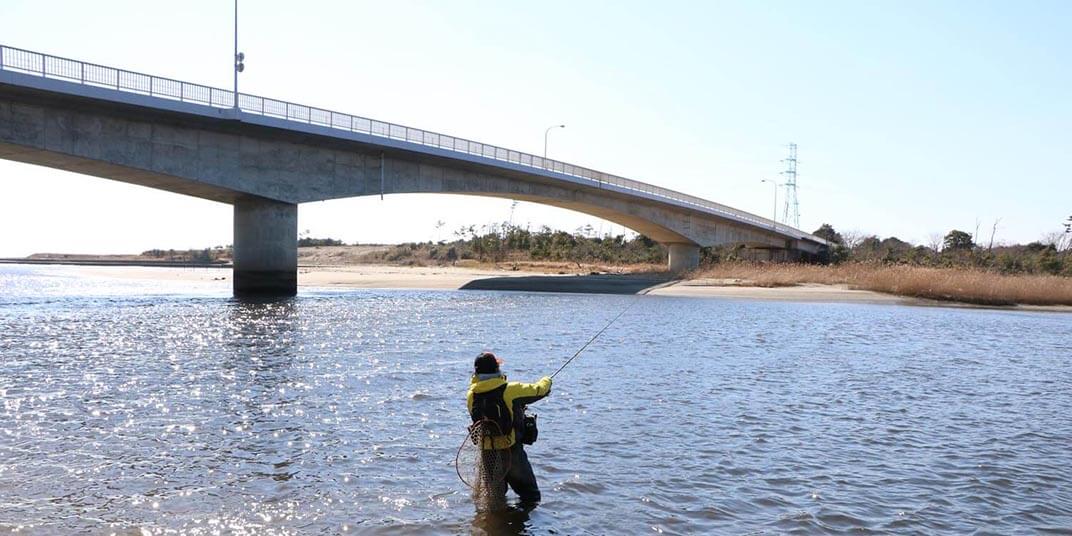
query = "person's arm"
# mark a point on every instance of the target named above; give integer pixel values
(527, 393)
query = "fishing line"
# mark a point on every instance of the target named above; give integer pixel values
(596, 336)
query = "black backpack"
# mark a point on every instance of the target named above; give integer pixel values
(491, 406)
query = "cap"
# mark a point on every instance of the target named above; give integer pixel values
(486, 363)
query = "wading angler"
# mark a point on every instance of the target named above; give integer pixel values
(498, 435)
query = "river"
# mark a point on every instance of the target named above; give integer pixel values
(144, 407)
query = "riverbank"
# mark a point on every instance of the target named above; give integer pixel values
(710, 288)
(118, 262)
(453, 278)
(410, 277)
(952, 285)
(365, 276)
(842, 284)
(821, 293)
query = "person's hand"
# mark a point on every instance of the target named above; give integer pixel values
(548, 378)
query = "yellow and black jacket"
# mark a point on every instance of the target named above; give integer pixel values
(503, 403)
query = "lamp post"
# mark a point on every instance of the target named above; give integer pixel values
(776, 185)
(545, 133)
(239, 57)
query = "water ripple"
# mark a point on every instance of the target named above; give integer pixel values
(181, 410)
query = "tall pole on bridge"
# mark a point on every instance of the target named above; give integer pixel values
(545, 133)
(239, 57)
(776, 186)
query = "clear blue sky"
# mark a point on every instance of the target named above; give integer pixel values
(912, 118)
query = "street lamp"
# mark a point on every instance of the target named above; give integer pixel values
(776, 185)
(545, 133)
(239, 57)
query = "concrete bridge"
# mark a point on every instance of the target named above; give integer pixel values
(265, 157)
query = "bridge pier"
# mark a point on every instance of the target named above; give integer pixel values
(265, 247)
(684, 257)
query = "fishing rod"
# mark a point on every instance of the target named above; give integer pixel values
(596, 336)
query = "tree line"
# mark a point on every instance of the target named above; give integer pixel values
(512, 243)
(955, 249)
(506, 242)
(218, 254)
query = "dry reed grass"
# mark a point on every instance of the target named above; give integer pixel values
(947, 284)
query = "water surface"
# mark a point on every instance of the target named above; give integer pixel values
(144, 407)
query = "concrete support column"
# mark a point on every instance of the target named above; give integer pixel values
(265, 248)
(684, 257)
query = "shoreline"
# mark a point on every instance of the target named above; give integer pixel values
(119, 262)
(823, 293)
(465, 278)
(808, 292)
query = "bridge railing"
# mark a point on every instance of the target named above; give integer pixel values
(90, 74)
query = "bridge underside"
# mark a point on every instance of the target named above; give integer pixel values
(266, 172)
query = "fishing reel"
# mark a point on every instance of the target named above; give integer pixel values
(529, 431)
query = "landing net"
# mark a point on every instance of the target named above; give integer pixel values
(482, 467)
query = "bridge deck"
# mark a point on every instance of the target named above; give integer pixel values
(98, 81)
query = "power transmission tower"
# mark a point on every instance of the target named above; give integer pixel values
(791, 214)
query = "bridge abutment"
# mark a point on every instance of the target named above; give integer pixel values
(684, 257)
(265, 248)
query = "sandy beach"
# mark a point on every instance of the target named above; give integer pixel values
(407, 277)
(814, 292)
(705, 288)
(418, 277)
(364, 276)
